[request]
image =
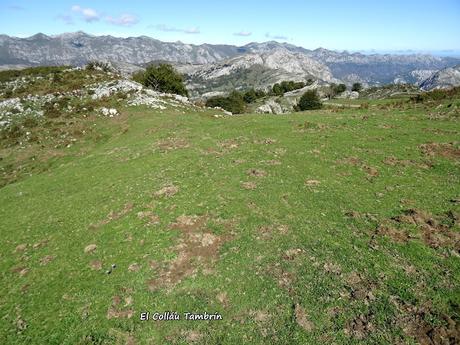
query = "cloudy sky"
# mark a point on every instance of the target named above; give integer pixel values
(353, 25)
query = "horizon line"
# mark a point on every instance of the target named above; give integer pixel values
(369, 51)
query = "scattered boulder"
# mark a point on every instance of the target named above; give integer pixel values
(270, 107)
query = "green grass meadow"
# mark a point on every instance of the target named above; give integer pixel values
(336, 226)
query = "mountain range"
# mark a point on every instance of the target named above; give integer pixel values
(210, 67)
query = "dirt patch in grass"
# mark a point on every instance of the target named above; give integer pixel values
(150, 216)
(395, 162)
(360, 288)
(285, 279)
(302, 319)
(21, 270)
(46, 259)
(360, 327)
(413, 320)
(447, 150)
(113, 215)
(434, 231)
(20, 248)
(96, 265)
(172, 144)
(223, 299)
(167, 191)
(256, 173)
(395, 234)
(229, 144)
(272, 162)
(355, 161)
(40, 244)
(371, 171)
(90, 248)
(266, 141)
(197, 248)
(249, 185)
(134, 267)
(312, 183)
(118, 309)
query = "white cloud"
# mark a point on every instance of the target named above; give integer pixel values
(89, 15)
(242, 33)
(194, 30)
(166, 28)
(275, 37)
(123, 20)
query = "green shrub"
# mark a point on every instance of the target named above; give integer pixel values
(233, 103)
(251, 95)
(436, 95)
(356, 87)
(286, 86)
(309, 101)
(139, 77)
(94, 65)
(340, 88)
(162, 78)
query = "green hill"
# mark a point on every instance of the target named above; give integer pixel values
(328, 226)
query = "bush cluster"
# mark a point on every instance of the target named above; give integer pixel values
(357, 87)
(309, 101)
(101, 65)
(162, 78)
(252, 95)
(436, 95)
(234, 102)
(280, 89)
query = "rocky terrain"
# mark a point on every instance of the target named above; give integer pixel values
(216, 67)
(39, 108)
(442, 79)
(257, 70)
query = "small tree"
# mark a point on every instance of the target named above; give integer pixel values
(277, 89)
(250, 96)
(233, 103)
(356, 87)
(309, 101)
(340, 88)
(162, 78)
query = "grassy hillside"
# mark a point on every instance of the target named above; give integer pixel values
(332, 226)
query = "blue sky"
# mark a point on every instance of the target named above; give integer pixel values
(352, 25)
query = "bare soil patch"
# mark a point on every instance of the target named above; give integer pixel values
(302, 319)
(249, 185)
(114, 215)
(435, 231)
(150, 216)
(197, 248)
(256, 173)
(172, 144)
(167, 191)
(447, 150)
(414, 322)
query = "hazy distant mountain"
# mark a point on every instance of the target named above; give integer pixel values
(445, 78)
(381, 69)
(78, 48)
